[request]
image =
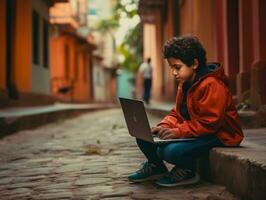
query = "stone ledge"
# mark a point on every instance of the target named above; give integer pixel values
(249, 119)
(242, 170)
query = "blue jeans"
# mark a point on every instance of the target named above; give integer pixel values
(182, 154)
(147, 90)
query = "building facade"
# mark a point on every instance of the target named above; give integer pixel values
(71, 52)
(24, 52)
(104, 57)
(46, 55)
(231, 30)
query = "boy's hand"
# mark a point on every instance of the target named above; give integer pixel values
(155, 130)
(166, 133)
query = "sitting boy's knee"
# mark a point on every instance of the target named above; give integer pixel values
(160, 153)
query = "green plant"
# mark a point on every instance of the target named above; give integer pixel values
(131, 49)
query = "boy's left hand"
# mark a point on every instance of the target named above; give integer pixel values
(166, 133)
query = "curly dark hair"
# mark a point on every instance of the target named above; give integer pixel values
(186, 49)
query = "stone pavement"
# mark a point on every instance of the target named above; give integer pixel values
(87, 157)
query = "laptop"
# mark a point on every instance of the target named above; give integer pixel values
(138, 123)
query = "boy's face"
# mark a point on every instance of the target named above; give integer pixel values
(181, 71)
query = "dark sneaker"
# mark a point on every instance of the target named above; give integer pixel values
(178, 177)
(148, 171)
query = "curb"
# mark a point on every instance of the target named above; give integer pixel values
(243, 171)
(9, 125)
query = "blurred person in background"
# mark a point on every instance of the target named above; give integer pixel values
(145, 70)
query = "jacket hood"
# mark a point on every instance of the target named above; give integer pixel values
(213, 70)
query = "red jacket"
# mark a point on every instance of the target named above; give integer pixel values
(211, 110)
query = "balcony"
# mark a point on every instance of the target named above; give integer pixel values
(63, 14)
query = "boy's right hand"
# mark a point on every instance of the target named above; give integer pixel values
(155, 130)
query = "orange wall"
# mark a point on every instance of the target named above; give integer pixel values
(81, 86)
(3, 46)
(169, 82)
(57, 61)
(78, 67)
(204, 23)
(90, 76)
(22, 49)
(57, 56)
(149, 45)
(72, 49)
(199, 19)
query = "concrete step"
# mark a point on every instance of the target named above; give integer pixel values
(16, 119)
(243, 169)
(251, 119)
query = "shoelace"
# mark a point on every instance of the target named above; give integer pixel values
(178, 174)
(146, 168)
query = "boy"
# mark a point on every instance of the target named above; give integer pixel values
(204, 109)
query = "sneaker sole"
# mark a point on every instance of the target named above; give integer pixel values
(151, 178)
(186, 182)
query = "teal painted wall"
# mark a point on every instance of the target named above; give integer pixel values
(126, 87)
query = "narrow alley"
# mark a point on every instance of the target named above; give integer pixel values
(87, 157)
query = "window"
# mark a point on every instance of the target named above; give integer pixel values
(35, 37)
(45, 43)
(66, 61)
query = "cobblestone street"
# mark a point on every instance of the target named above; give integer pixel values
(87, 157)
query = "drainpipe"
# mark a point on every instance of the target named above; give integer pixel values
(10, 23)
